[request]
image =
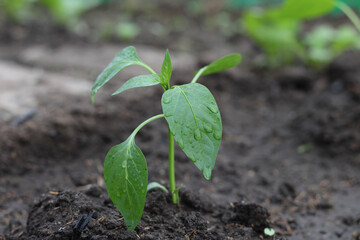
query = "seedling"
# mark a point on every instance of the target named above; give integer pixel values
(193, 119)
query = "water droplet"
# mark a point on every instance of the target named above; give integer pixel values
(123, 164)
(180, 142)
(217, 136)
(166, 100)
(213, 109)
(208, 128)
(197, 134)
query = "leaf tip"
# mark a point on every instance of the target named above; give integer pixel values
(115, 93)
(207, 174)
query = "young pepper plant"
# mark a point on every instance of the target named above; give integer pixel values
(193, 120)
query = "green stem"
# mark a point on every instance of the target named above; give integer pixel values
(152, 72)
(148, 68)
(349, 13)
(175, 193)
(146, 122)
(198, 74)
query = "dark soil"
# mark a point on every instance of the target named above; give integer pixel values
(289, 159)
(55, 215)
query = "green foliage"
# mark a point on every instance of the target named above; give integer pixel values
(324, 43)
(127, 30)
(306, 9)
(140, 81)
(67, 11)
(304, 148)
(166, 70)
(277, 31)
(193, 120)
(126, 179)
(16, 10)
(269, 232)
(221, 64)
(276, 35)
(153, 185)
(127, 57)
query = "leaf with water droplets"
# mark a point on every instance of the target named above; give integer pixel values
(194, 118)
(126, 179)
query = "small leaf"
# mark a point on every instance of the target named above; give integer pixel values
(306, 9)
(304, 148)
(269, 231)
(177, 190)
(140, 81)
(195, 122)
(153, 185)
(222, 64)
(126, 179)
(166, 69)
(125, 58)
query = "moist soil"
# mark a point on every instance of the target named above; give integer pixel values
(289, 159)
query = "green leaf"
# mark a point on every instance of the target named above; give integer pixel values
(306, 9)
(125, 58)
(153, 185)
(269, 232)
(67, 11)
(140, 81)
(195, 122)
(166, 68)
(126, 179)
(222, 64)
(278, 37)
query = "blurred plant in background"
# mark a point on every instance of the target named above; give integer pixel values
(276, 26)
(64, 12)
(278, 37)
(277, 31)
(16, 10)
(324, 43)
(67, 12)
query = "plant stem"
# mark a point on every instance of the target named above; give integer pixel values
(349, 13)
(173, 190)
(198, 74)
(146, 122)
(148, 68)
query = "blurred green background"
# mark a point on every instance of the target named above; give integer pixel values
(187, 25)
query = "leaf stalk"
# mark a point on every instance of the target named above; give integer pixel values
(146, 122)
(198, 74)
(349, 13)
